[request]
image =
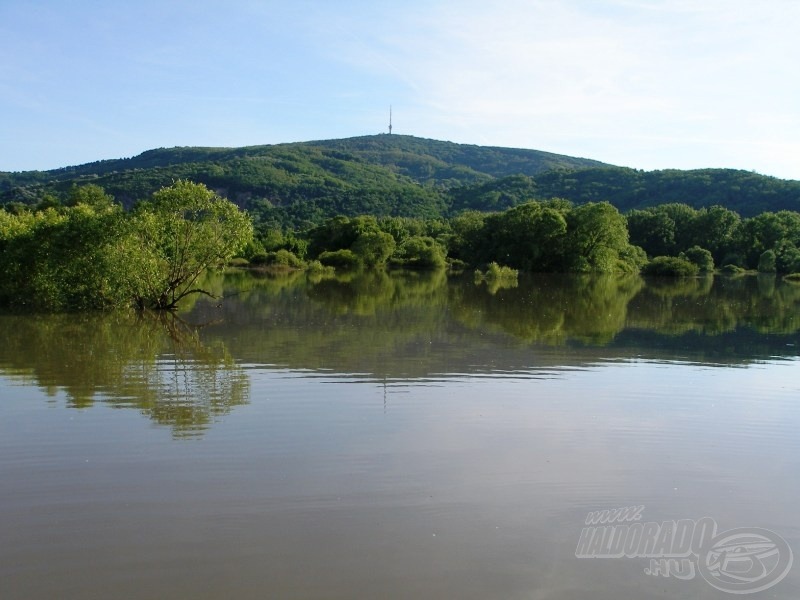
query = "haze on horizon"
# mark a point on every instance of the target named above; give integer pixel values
(649, 84)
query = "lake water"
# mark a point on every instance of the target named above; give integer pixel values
(406, 436)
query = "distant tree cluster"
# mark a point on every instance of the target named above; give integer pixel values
(555, 236)
(550, 236)
(372, 242)
(768, 242)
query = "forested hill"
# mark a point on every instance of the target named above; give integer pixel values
(745, 192)
(302, 183)
(424, 161)
(446, 163)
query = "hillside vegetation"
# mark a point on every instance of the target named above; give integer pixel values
(295, 186)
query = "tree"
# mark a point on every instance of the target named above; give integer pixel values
(420, 252)
(175, 238)
(767, 262)
(652, 230)
(467, 240)
(89, 195)
(788, 257)
(716, 229)
(597, 235)
(340, 233)
(374, 247)
(529, 236)
(768, 231)
(685, 218)
(62, 259)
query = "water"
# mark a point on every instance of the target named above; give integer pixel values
(394, 436)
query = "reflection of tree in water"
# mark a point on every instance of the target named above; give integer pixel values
(328, 323)
(367, 292)
(714, 305)
(154, 363)
(356, 322)
(550, 309)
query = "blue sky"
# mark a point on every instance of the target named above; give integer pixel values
(649, 84)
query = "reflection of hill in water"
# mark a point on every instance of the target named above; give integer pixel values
(389, 327)
(399, 325)
(153, 364)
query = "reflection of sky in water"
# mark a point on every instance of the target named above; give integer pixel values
(462, 485)
(440, 463)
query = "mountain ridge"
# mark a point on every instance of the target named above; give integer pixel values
(300, 183)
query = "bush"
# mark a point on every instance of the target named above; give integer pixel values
(496, 271)
(497, 277)
(631, 259)
(344, 258)
(283, 258)
(420, 252)
(732, 270)
(315, 267)
(699, 256)
(670, 266)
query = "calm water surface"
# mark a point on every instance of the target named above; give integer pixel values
(394, 436)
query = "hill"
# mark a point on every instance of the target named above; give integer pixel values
(302, 183)
(745, 192)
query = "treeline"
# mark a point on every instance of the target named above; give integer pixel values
(548, 236)
(557, 237)
(91, 253)
(768, 242)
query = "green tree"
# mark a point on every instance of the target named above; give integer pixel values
(529, 237)
(686, 230)
(766, 232)
(420, 252)
(767, 262)
(597, 234)
(716, 229)
(175, 238)
(787, 257)
(652, 230)
(467, 242)
(62, 259)
(374, 247)
(89, 195)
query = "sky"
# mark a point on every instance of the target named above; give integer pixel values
(649, 84)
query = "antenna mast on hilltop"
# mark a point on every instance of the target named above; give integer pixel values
(390, 119)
